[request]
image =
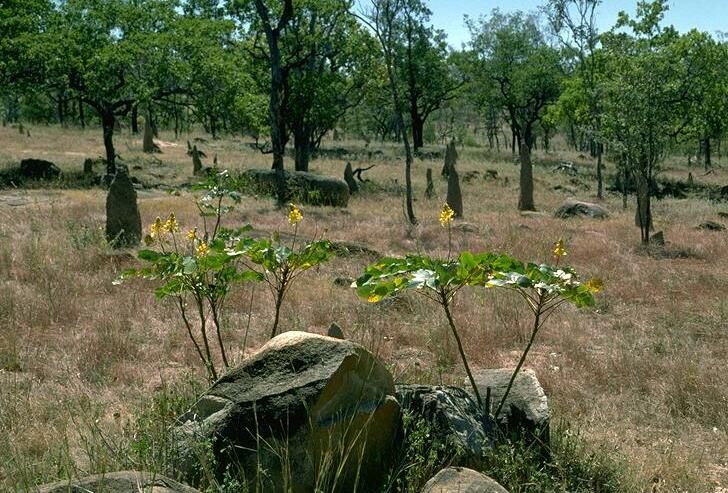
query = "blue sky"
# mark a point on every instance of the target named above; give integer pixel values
(706, 15)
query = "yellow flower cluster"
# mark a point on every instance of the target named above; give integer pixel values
(446, 215)
(171, 226)
(192, 234)
(295, 215)
(559, 248)
(202, 249)
(594, 285)
(157, 228)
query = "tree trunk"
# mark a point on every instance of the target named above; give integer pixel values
(513, 141)
(135, 119)
(707, 153)
(643, 214)
(600, 181)
(107, 121)
(81, 115)
(418, 125)
(302, 147)
(525, 196)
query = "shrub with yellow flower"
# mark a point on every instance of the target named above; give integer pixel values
(446, 215)
(295, 215)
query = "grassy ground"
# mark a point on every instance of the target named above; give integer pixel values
(641, 375)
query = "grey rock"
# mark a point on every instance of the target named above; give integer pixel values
(123, 221)
(117, 482)
(299, 408)
(576, 208)
(525, 413)
(462, 480)
(712, 226)
(453, 415)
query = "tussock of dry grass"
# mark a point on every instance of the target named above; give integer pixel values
(642, 372)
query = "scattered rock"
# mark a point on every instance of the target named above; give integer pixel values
(471, 176)
(462, 480)
(575, 208)
(454, 416)
(525, 413)
(123, 221)
(323, 404)
(658, 239)
(344, 281)
(566, 167)
(466, 228)
(565, 189)
(118, 482)
(39, 169)
(349, 249)
(722, 214)
(90, 163)
(335, 331)
(491, 174)
(711, 226)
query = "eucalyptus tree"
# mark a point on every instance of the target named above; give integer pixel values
(383, 18)
(575, 23)
(112, 54)
(647, 96)
(516, 69)
(339, 61)
(429, 78)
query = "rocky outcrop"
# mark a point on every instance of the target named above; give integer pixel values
(117, 482)
(453, 416)
(304, 413)
(300, 186)
(462, 480)
(576, 208)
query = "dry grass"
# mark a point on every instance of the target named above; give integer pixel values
(641, 374)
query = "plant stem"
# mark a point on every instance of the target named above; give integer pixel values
(280, 292)
(446, 306)
(536, 326)
(216, 321)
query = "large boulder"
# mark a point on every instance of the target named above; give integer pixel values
(576, 208)
(117, 482)
(39, 169)
(525, 414)
(462, 480)
(123, 221)
(305, 413)
(454, 418)
(300, 186)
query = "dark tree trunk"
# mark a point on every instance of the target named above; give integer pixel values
(643, 216)
(513, 141)
(707, 153)
(418, 125)
(525, 196)
(213, 126)
(135, 119)
(107, 121)
(600, 180)
(81, 114)
(302, 145)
